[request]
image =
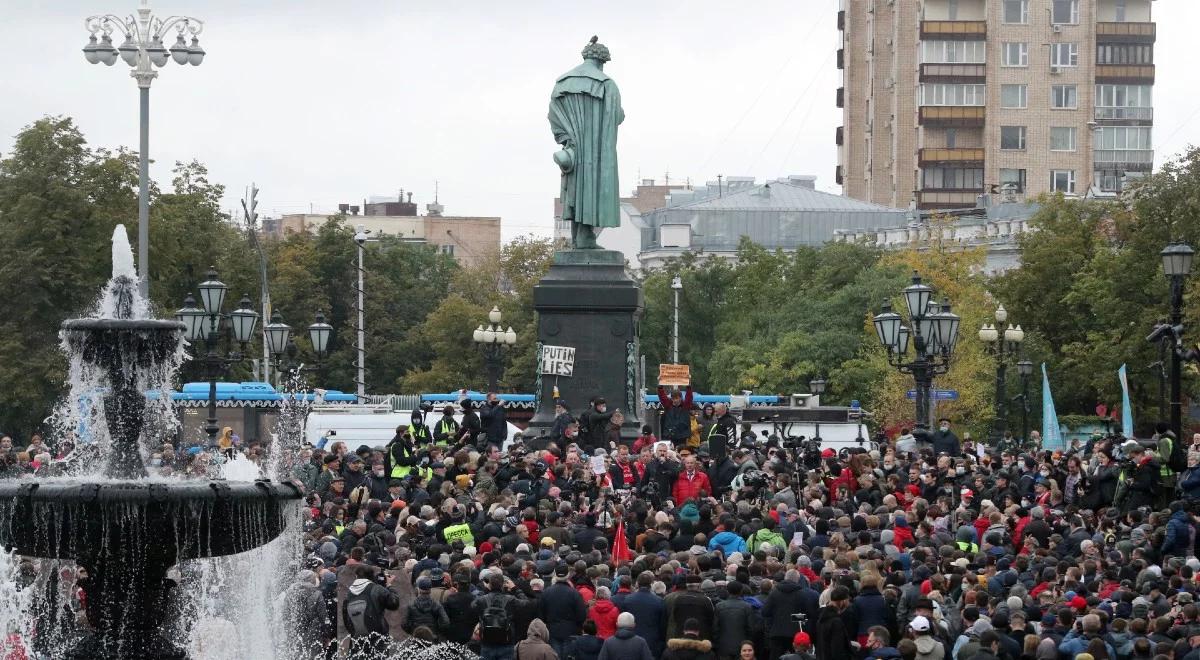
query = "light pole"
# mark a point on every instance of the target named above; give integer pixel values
(143, 49)
(934, 333)
(206, 324)
(1024, 370)
(817, 387)
(1177, 265)
(361, 237)
(492, 342)
(1003, 347)
(281, 342)
(676, 286)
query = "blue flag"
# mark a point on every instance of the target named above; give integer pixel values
(1126, 409)
(1051, 433)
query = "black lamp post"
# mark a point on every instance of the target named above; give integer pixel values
(1004, 346)
(207, 324)
(492, 341)
(1177, 265)
(934, 333)
(1024, 370)
(281, 342)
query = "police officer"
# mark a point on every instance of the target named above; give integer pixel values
(418, 431)
(456, 528)
(445, 432)
(400, 456)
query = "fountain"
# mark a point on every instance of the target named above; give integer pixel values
(124, 529)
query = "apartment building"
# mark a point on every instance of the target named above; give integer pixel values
(944, 100)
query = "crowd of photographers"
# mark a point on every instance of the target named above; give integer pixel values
(712, 542)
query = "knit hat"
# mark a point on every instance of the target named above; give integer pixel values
(801, 639)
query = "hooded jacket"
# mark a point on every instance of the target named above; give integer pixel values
(625, 645)
(688, 648)
(728, 543)
(378, 598)
(785, 599)
(735, 622)
(649, 615)
(604, 613)
(1179, 534)
(536, 644)
(563, 611)
(929, 648)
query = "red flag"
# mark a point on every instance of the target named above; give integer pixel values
(621, 551)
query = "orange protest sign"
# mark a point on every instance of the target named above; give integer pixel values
(679, 375)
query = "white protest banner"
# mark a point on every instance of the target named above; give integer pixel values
(558, 360)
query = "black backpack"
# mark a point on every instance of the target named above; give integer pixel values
(495, 626)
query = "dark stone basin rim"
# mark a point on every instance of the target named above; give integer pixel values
(135, 492)
(122, 324)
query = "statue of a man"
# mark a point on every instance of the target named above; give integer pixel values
(585, 110)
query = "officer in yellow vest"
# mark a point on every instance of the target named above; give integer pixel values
(418, 431)
(446, 430)
(400, 456)
(458, 529)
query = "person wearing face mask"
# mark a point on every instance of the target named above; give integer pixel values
(944, 440)
(594, 423)
(377, 482)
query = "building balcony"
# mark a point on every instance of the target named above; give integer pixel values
(841, 97)
(954, 30)
(1125, 114)
(1126, 33)
(839, 136)
(1125, 74)
(952, 116)
(948, 199)
(841, 58)
(954, 73)
(841, 20)
(837, 175)
(1124, 159)
(961, 157)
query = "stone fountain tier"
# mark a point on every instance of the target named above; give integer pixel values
(104, 341)
(128, 534)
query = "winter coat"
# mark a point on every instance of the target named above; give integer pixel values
(691, 489)
(649, 616)
(786, 599)
(379, 598)
(736, 622)
(688, 648)
(766, 536)
(1143, 487)
(1189, 484)
(604, 613)
(536, 645)
(833, 635)
(728, 543)
(662, 473)
(425, 611)
(583, 647)
(1179, 534)
(945, 442)
(494, 422)
(870, 609)
(684, 605)
(625, 645)
(929, 648)
(563, 611)
(593, 428)
(460, 608)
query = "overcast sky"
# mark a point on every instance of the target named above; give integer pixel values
(326, 102)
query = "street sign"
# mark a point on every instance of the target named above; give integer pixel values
(678, 375)
(558, 360)
(936, 395)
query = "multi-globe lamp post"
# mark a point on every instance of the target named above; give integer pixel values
(281, 342)
(1003, 344)
(209, 324)
(492, 341)
(1177, 266)
(1024, 370)
(144, 49)
(933, 333)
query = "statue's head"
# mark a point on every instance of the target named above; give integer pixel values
(596, 51)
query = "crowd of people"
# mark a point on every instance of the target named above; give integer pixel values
(711, 542)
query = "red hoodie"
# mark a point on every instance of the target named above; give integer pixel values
(605, 614)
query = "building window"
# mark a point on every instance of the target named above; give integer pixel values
(1014, 96)
(1012, 137)
(1124, 54)
(1016, 11)
(1062, 181)
(951, 138)
(1065, 11)
(1062, 138)
(1064, 97)
(1124, 138)
(952, 10)
(951, 178)
(951, 94)
(953, 52)
(1062, 55)
(1120, 11)
(1124, 102)
(1012, 178)
(447, 249)
(1015, 54)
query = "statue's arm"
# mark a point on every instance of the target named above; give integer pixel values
(561, 135)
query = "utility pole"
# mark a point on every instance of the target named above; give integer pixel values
(250, 207)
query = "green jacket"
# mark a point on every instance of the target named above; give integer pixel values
(766, 536)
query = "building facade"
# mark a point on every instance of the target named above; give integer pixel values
(945, 100)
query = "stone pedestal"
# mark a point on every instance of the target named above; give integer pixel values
(587, 302)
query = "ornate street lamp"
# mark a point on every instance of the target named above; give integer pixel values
(1003, 345)
(205, 325)
(1024, 370)
(1177, 265)
(492, 341)
(932, 330)
(282, 343)
(143, 49)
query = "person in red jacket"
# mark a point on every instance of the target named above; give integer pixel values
(692, 483)
(604, 613)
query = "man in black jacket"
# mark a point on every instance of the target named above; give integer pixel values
(662, 472)
(501, 595)
(460, 609)
(735, 622)
(593, 425)
(787, 598)
(563, 611)
(676, 416)
(363, 612)
(470, 427)
(944, 440)
(832, 633)
(494, 420)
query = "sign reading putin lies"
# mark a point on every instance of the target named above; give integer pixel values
(558, 360)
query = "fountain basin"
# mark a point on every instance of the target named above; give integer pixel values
(164, 522)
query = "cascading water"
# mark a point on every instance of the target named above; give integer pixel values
(118, 533)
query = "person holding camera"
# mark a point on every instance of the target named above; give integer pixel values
(594, 423)
(660, 474)
(494, 420)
